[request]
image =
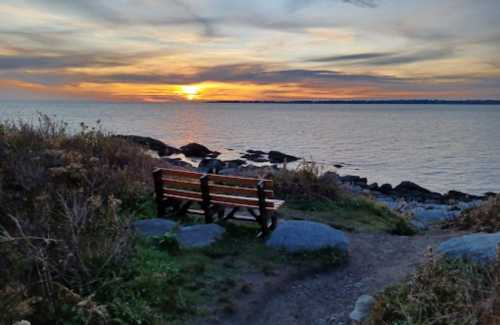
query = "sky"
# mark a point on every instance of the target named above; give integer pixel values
(181, 50)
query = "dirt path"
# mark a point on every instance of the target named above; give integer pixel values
(376, 261)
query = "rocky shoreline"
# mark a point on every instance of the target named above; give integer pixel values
(423, 206)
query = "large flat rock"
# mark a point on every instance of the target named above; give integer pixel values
(297, 236)
(480, 247)
(153, 227)
(199, 235)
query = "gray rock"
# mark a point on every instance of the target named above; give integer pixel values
(199, 235)
(153, 227)
(480, 247)
(153, 144)
(197, 150)
(296, 236)
(429, 214)
(210, 165)
(362, 308)
(277, 157)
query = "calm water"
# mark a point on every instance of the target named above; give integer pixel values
(440, 147)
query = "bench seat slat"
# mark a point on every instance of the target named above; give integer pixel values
(182, 173)
(215, 188)
(221, 199)
(236, 180)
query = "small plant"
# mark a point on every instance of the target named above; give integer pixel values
(443, 291)
(169, 243)
(485, 218)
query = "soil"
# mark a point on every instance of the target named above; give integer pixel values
(301, 296)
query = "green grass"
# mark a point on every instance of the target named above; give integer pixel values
(165, 286)
(353, 214)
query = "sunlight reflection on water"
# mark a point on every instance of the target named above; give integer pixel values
(440, 147)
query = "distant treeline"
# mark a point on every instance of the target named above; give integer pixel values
(382, 101)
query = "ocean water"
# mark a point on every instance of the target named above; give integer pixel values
(440, 147)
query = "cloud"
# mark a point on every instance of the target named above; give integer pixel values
(351, 57)
(27, 59)
(299, 4)
(242, 73)
(388, 58)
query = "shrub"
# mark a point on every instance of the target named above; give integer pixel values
(65, 202)
(306, 184)
(443, 291)
(485, 218)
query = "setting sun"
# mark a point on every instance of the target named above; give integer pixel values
(190, 92)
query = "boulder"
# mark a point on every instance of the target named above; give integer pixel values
(257, 156)
(277, 157)
(235, 163)
(373, 187)
(354, 180)
(415, 192)
(257, 152)
(153, 227)
(480, 247)
(432, 213)
(385, 189)
(362, 308)
(210, 165)
(196, 150)
(153, 144)
(460, 196)
(299, 236)
(197, 236)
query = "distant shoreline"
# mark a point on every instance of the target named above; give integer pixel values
(367, 102)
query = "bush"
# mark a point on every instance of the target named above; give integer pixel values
(306, 184)
(443, 291)
(65, 201)
(485, 218)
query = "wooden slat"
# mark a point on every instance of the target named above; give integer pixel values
(196, 211)
(235, 180)
(181, 184)
(229, 204)
(183, 194)
(239, 200)
(215, 188)
(242, 217)
(181, 173)
(235, 190)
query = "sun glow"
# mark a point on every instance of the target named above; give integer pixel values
(190, 92)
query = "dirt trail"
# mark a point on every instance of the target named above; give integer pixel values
(376, 261)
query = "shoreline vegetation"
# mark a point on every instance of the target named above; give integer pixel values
(69, 254)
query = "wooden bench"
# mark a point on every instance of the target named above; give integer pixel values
(179, 190)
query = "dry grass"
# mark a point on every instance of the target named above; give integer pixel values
(443, 292)
(64, 203)
(485, 218)
(306, 184)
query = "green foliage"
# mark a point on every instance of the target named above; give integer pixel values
(169, 243)
(442, 292)
(65, 204)
(355, 214)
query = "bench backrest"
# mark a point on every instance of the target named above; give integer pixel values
(224, 190)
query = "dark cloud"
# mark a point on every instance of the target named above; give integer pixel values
(351, 57)
(27, 59)
(381, 59)
(254, 73)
